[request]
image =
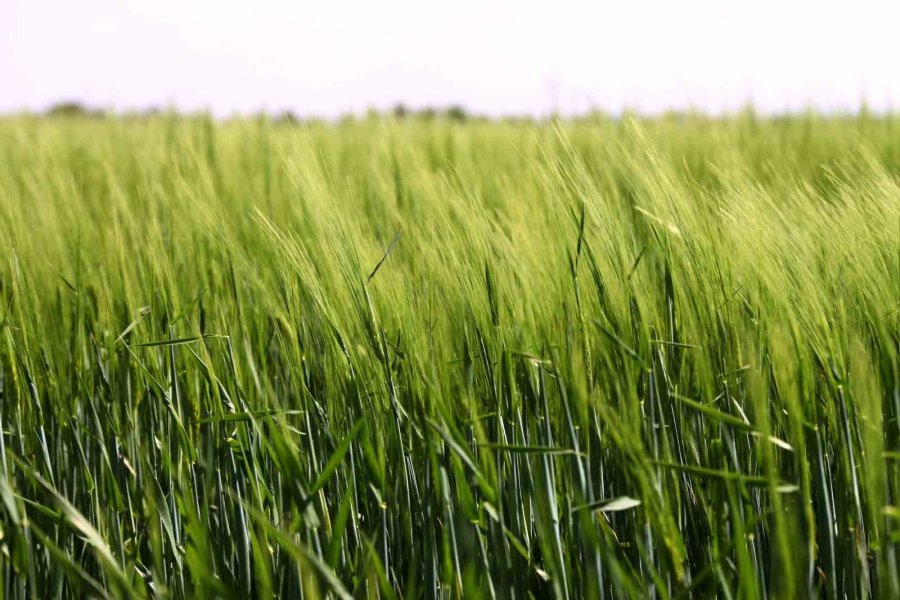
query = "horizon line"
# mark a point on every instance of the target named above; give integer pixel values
(451, 110)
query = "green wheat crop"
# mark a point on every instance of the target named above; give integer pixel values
(404, 358)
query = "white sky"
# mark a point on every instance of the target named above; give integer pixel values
(502, 56)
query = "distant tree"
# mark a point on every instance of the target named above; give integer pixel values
(456, 113)
(400, 111)
(287, 118)
(72, 109)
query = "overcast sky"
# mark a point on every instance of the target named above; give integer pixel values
(502, 56)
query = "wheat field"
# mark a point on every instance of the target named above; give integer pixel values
(426, 358)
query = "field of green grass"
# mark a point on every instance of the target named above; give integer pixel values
(422, 358)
